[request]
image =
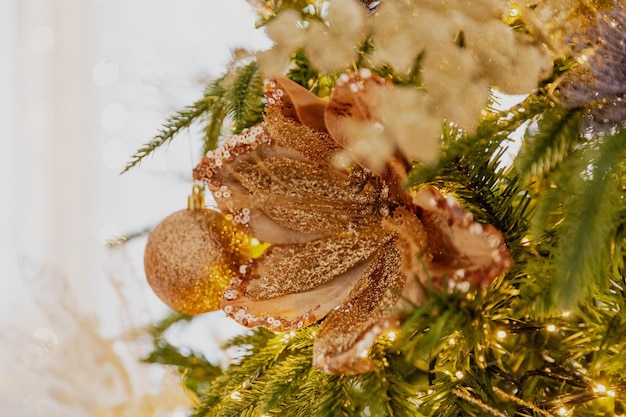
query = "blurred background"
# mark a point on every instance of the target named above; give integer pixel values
(83, 84)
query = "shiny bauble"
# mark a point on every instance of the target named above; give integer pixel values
(190, 258)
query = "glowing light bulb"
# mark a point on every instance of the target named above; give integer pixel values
(501, 334)
(391, 336)
(459, 375)
(610, 393)
(566, 314)
(563, 411)
(235, 395)
(550, 327)
(600, 388)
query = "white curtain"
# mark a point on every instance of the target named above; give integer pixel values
(83, 84)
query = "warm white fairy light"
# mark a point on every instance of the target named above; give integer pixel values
(459, 375)
(235, 395)
(391, 336)
(611, 393)
(563, 411)
(599, 388)
(566, 314)
(364, 353)
(501, 334)
(551, 327)
(288, 336)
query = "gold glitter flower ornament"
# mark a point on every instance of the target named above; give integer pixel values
(345, 245)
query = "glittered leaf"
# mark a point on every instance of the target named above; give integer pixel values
(346, 246)
(343, 339)
(462, 251)
(290, 311)
(297, 268)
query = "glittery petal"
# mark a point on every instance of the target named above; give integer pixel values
(462, 250)
(412, 241)
(351, 112)
(294, 118)
(296, 102)
(290, 311)
(281, 191)
(343, 339)
(234, 199)
(296, 268)
(354, 98)
(306, 197)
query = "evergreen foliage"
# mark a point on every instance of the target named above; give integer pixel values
(234, 99)
(544, 340)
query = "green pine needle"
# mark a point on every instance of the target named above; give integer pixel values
(243, 96)
(176, 123)
(548, 142)
(591, 215)
(215, 117)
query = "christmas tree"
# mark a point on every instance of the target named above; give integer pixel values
(398, 237)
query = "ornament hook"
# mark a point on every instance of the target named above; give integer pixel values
(195, 201)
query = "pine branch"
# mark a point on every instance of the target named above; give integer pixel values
(237, 95)
(590, 220)
(243, 96)
(177, 122)
(474, 150)
(196, 370)
(215, 116)
(121, 240)
(549, 142)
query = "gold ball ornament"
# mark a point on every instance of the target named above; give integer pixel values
(192, 255)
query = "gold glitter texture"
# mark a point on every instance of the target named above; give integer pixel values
(346, 246)
(190, 258)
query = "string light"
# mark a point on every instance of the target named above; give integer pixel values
(459, 375)
(501, 334)
(551, 327)
(235, 395)
(287, 336)
(599, 388)
(391, 336)
(563, 411)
